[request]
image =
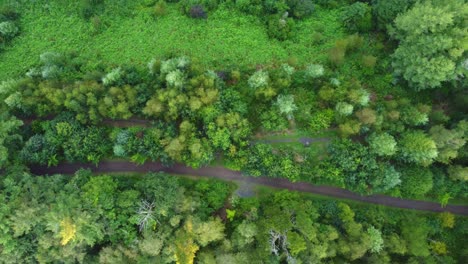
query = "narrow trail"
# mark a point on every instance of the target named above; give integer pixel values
(230, 175)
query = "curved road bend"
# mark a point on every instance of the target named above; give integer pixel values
(230, 175)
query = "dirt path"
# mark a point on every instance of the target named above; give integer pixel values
(226, 174)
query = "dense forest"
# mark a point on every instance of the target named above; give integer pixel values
(369, 96)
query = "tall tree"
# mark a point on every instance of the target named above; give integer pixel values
(432, 37)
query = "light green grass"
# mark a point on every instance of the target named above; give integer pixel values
(131, 35)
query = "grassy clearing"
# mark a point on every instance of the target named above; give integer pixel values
(130, 34)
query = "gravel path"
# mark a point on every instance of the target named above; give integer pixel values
(230, 175)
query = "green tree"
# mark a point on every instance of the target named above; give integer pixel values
(448, 142)
(415, 146)
(415, 231)
(458, 172)
(382, 144)
(416, 181)
(357, 17)
(286, 105)
(432, 39)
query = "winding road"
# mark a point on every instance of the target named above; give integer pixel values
(230, 175)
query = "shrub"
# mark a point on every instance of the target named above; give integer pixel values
(431, 39)
(254, 7)
(300, 8)
(321, 120)
(367, 116)
(417, 147)
(382, 144)
(7, 12)
(314, 71)
(112, 77)
(89, 8)
(8, 30)
(386, 11)
(197, 11)
(280, 27)
(357, 17)
(160, 8)
(349, 128)
(259, 79)
(359, 96)
(416, 181)
(344, 109)
(175, 78)
(286, 105)
(369, 61)
(336, 56)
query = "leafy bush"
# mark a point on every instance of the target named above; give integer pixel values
(8, 30)
(90, 8)
(280, 27)
(286, 105)
(314, 71)
(160, 8)
(387, 10)
(300, 8)
(357, 17)
(344, 109)
(359, 96)
(8, 13)
(197, 11)
(382, 144)
(113, 77)
(416, 181)
(417, 147)
(431, 46)
(321, 120)
(259, 79)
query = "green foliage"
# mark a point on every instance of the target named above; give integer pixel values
(458, 172)
(382, 144)
(416, 181)
(417, 147)
(357, 17)
(286, 105)
(344, 109)
(280, 26)
(431, 45)
(415, 231)
(321, 120)
(238, 38)
(448, 142)
(300, 8)
(8, 29)
(377, 242)
(314, 71)
(386, 11)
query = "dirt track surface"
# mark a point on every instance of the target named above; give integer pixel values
(226, 174)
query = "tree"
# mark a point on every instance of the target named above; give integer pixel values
(357, 17)
(458, 172)
(8, 136)
(448, 142)
(209, 231)
(415, 230)
(415, 146)
(344, 109)
(286, 106)
(382, 144)
(377, 241)
(431, 36)
(367, 116)
(416, 181)
(447, 219)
